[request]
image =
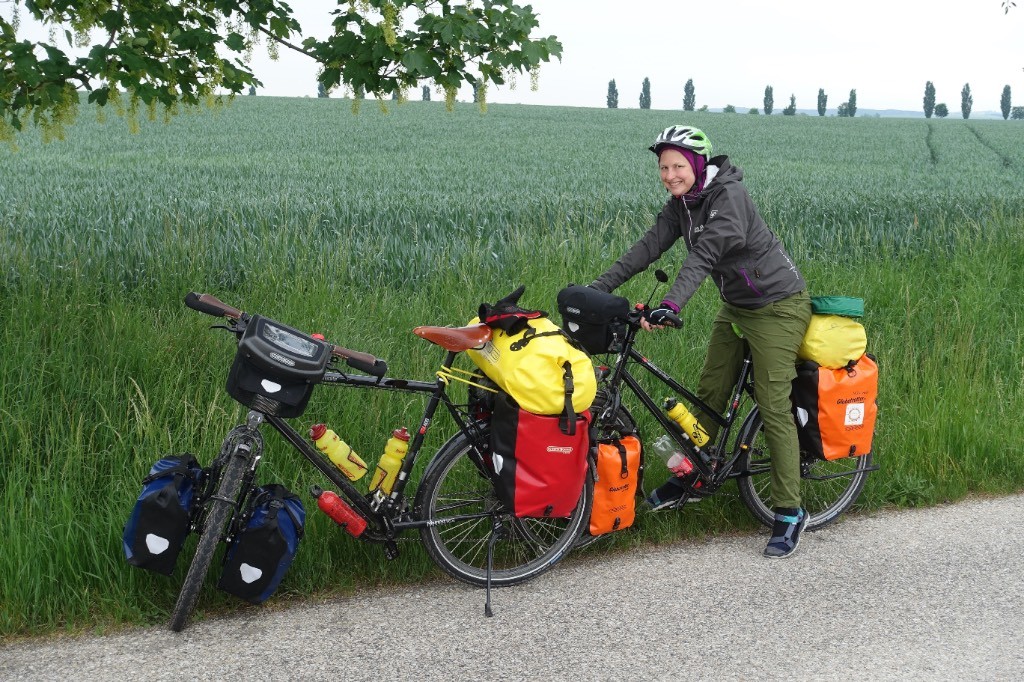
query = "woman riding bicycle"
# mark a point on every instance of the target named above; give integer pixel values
(763, 296)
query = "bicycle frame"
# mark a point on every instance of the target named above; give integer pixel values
(385, 513)
(705, 463)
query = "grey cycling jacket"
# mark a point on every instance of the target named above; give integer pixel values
(725, 237)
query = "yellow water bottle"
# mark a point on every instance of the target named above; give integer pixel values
(391, 461)
(338, 451)
(687, 422)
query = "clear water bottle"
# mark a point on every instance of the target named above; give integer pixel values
(676, 461)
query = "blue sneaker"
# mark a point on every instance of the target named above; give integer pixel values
(668, 493)
(786, 532)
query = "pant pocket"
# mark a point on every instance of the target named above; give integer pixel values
(776, 395)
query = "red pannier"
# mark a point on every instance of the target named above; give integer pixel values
(835, 409)
(540, 462)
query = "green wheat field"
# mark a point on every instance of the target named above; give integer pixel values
(362, 227)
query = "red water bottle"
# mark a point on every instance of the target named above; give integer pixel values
(335, 507)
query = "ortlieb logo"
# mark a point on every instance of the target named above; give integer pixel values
(561, 449)
(619, 488)
(570, 309)
(490, 353)
(282, 359)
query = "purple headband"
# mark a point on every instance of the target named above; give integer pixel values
(699, 165)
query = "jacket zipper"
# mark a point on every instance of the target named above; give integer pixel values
(750, 284)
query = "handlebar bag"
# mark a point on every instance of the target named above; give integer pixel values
(162, 515)
(618, 483)
(540, 367)
(539, 468)
(264, 543)
(276, 368)
(593, 318)
(836, 409)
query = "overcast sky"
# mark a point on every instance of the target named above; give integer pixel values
(886, 49)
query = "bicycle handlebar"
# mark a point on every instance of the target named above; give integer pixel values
(211, 305)
(364, 362)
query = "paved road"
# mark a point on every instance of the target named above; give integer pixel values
(922, 594)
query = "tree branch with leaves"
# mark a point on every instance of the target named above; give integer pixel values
(196, 51)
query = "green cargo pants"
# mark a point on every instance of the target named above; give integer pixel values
(774, 333)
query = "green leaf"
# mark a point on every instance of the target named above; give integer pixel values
(235, 42)
(416, 60)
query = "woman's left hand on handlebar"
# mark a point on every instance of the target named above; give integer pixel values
(659, 318)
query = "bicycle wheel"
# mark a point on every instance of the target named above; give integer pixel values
(219, 508)
(827, 489)
(455, 485)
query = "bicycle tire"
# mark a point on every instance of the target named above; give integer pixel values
(220, 507)
(825, 499)
(454, 484)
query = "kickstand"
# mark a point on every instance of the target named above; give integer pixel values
(497, 530)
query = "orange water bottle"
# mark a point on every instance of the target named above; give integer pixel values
(687, 422)
(391, 461)
(339, 452)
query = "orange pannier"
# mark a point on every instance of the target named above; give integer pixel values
(835, 409)
(617, 485)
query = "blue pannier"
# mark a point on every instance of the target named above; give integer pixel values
(264, 544)
(162, 515)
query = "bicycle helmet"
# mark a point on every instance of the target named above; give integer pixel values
(685, 137)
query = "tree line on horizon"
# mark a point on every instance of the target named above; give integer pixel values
(847, 109)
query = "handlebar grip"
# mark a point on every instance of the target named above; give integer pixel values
(379, 368)
(674, 320)
(364, 362)
(211, 305)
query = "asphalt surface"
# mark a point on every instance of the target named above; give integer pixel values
(911, 595)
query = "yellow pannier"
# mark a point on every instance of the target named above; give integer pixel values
(539, 368)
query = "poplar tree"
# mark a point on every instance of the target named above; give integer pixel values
(929, 99)
(645, 94)
(769, 101)
(689, 98)
(1004, 102)
(613, 95)
(822, 102)
(966, 101)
